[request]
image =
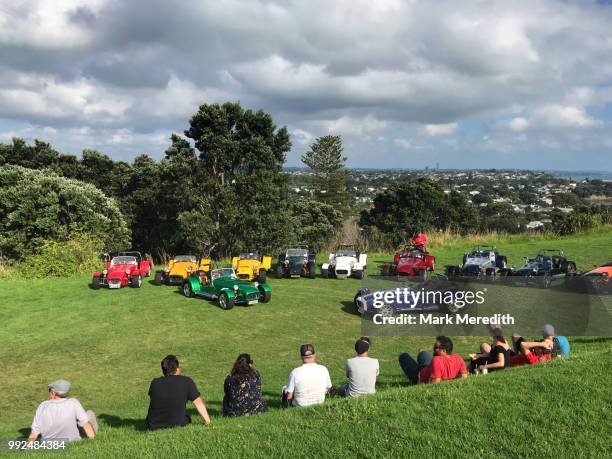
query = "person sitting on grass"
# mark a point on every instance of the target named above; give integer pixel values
(481, 358)
(169, 395)
(62, 418)
(309, 383)
(443, 365)
(498, 356)
(361, 371)
(242, 389)
(532, 352)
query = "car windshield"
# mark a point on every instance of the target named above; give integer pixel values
(296, 252)
(249, 256)
(223, 272)
(123, 260)
(185, 258)
(346, 253)
(411, 253)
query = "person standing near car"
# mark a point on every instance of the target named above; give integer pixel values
(168, 396)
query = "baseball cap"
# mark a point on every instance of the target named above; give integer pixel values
(548, 330)
(362, 345)
(306, 350)
(61, 386)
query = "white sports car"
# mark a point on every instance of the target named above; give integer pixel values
(345, 262)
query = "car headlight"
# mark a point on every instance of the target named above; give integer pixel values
(105, 272)
(235, 288)
(167, 269)
(189, 269)
(255, 284)
(128, 272)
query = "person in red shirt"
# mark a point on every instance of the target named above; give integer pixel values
(443, 365)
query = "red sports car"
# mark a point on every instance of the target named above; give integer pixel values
(127, 268)
(412, 260)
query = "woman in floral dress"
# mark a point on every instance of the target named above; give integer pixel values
(242, 389)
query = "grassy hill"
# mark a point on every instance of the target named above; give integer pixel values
(109, 344)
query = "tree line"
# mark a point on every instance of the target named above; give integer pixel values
(219, 189)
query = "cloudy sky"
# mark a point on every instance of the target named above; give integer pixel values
(525, 84)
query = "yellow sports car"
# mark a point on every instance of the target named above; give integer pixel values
(252, 266)
(179, 268)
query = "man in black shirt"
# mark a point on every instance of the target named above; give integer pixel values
(169, 395)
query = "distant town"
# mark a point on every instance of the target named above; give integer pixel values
(534, 195)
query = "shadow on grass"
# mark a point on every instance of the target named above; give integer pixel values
(272, 399)
(116, 422)
(349, 308)
(214, 408)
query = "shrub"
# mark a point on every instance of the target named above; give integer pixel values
(78, 255)
(38, 206)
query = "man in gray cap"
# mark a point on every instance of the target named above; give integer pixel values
(62, 418)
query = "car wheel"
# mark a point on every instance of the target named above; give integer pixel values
(95, 283)
(159, 278)
(262, 276)
(357, 295)
(225, 302)
(279, 272)
(324, 273)
(187, 290)
(312, 270)
(358, 274)
(386, 310)
(571, 268)
(264, 297)
(136, 281)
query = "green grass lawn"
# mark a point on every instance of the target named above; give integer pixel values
(109, 345)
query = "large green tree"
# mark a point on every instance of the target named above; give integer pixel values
(418, 205)
(326, 159)
(244, 191)
(315, 223)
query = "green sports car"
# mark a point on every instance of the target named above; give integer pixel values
(223, 286)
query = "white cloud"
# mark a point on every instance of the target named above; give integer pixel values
(113, 73)
(559, 116)
(302, 137)
(518, 124)
(356, 127)
(407, 144)
(439, 129)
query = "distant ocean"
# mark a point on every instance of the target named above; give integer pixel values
(581, 175)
